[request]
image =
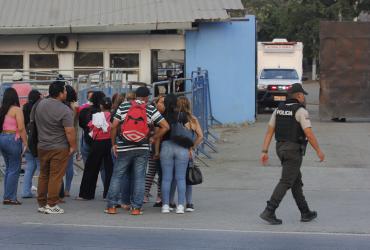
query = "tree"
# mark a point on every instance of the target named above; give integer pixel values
(299, 20)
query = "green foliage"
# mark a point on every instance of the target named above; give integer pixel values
(299, 20)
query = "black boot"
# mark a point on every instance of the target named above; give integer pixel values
(308, 216)
(269, 215)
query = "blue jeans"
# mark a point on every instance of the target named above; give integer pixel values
(188, 193)
(137, 160)
(69, 174)
(84, 148)
(127, 189)
(11, 149)
(32, 164)
(173, 158)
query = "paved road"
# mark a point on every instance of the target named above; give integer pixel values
(227, 204)
(97, 237)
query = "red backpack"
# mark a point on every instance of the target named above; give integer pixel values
(135, 127)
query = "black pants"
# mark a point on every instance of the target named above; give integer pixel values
(291, 177)
(100, 152)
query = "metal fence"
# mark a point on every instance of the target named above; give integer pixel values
(112, 81)
(197, 90)
(202, 109)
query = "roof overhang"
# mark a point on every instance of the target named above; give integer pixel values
(94, 29)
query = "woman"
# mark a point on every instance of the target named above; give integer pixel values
(32, 163)
(154, 165)
(12, 134)
(100, 132)
(173, 158)
(183, 107)
(71, 102)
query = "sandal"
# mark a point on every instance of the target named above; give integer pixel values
(10, 202)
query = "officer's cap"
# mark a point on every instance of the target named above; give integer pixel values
(297, 88)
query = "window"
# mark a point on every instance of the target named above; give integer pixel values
(279, 74)
(11, 61)
(88, 59)
(86, 63)
(124, 60)
(44, 61)
(129, 63)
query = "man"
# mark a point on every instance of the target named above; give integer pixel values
(291, 125)
(134, 155)
(56, 142)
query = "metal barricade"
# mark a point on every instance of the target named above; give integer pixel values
(41, 85)
(197, 90)
(201, 103)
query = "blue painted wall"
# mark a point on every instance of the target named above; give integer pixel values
(227, 51)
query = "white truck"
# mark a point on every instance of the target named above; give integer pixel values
(279, 65)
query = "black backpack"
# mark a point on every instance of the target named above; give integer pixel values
(31, 129)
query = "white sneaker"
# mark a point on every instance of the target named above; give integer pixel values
(165, 209)
(189, 208)
(41, 210)
(53, 210)
(180, 209)
(33, 188)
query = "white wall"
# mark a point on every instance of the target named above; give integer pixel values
(98, 42)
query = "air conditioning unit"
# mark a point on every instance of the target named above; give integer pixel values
(67, 43)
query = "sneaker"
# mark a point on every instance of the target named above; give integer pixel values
(136, 211)
(189, 208)
(110, 210)
(41, 210)
(180, 209)
(158, 204)
(53, 210)
(166, 209)
(172, 206)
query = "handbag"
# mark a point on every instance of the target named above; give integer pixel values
(32, 139)
(193, 174)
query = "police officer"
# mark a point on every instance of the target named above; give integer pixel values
(292, 128)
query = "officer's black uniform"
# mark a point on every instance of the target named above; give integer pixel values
(290, 147)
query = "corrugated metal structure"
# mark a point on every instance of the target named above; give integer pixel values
(345, 70)
(87, 16)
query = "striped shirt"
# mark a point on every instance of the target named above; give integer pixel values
(153, 117)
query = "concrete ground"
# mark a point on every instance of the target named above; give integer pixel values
(227, 204)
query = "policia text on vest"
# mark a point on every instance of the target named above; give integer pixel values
(292, 128)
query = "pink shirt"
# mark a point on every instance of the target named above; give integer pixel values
(83, 106)
(10, 124)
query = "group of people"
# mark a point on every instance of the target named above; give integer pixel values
(127, 139)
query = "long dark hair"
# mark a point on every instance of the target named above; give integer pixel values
(10, 99)
(71, 95)
(170, 104)
(33, 97)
